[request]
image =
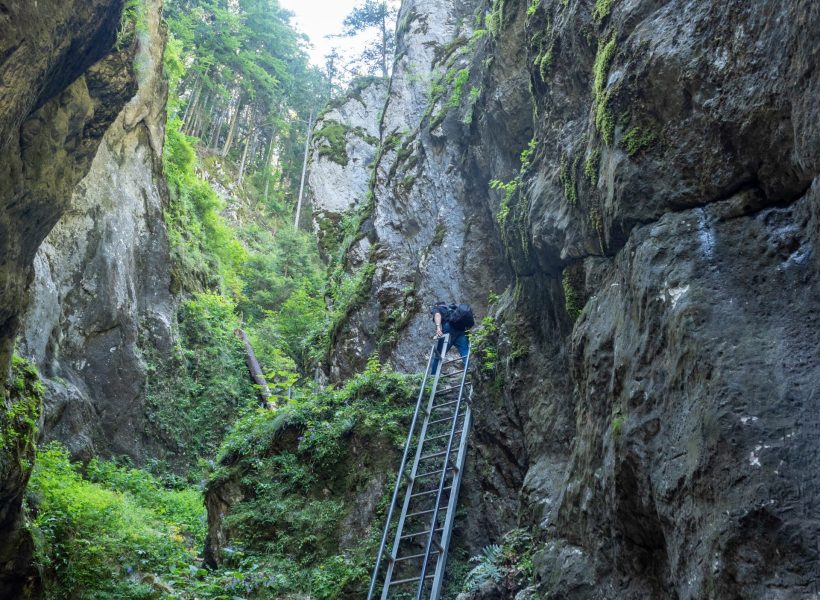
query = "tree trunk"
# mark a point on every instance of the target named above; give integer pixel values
(194, 99)
(384, 40)
(232, 131)
(304, 171)
(217, 131)
(196, 131)
(245, 152)
(255, 370)
(266, 164)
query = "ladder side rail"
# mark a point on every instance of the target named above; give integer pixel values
(422, 434)
(438, 577)
(396, 488)
(442, 482)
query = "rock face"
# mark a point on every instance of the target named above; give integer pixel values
(61, 86)
(345, 140)
(101, 287)
(643, 178)
(423, 221)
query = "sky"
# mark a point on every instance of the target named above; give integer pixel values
(319, 18)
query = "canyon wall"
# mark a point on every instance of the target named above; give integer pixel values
(62, 83)
(101, 289)
(637, 183)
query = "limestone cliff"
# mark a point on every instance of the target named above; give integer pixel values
(61, 85)
(102, 278)
(642, 178)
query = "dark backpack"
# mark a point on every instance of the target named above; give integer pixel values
(461, 316)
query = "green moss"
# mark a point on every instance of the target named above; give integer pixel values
(438, 234)
(20, 411)
(459, 81)
(495, 20)
(332, 141)
(604, 119)
(544, 62)
(637, 139)
(571, 282)
(533, 7)
(591, 166)
(617, 424)
(568, 176)
(602, 10)
(472, 99)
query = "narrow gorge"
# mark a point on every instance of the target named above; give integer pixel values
(627, 192)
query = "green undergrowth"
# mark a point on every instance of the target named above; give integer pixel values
(302, 473)
(115, 533)
(198, 389)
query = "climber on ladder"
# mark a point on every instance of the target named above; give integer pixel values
(422, 510)
(454, 319)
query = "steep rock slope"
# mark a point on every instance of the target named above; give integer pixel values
(61, 86)
(102, 277)
(422, 221)
(651, 171)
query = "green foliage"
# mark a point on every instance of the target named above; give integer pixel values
(374, 15)
(487, 569)
(460, 80)
(510, 188)
(533, 7)
(495, 19)
(472, 99)
(484, 339)
(637, 139)
(568, 176)
(602, 10)
(573, 303)
(332, 142)
(604, 120)
(205, 251)
(591, 166)
(300, 468)
(617, 424)
(116, 538)
(194, 395)
(133, 20)
(509, 564)
(20, 411)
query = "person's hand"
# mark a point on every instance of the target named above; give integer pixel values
(439, 333)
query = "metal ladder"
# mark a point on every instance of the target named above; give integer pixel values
(414, 566)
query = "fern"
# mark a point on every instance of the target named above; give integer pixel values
(488, 567)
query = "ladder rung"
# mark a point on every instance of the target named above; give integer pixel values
(422, 512)
(414, 556)
(409, 580)
(433, 455)
(451, 374)
(443, 404)
(418, 533)
(450, 418)
(444, 435)
(448, 389)
(425, 492)
(452, 360)
(436, 472)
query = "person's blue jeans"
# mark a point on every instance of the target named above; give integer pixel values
(459, 339)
